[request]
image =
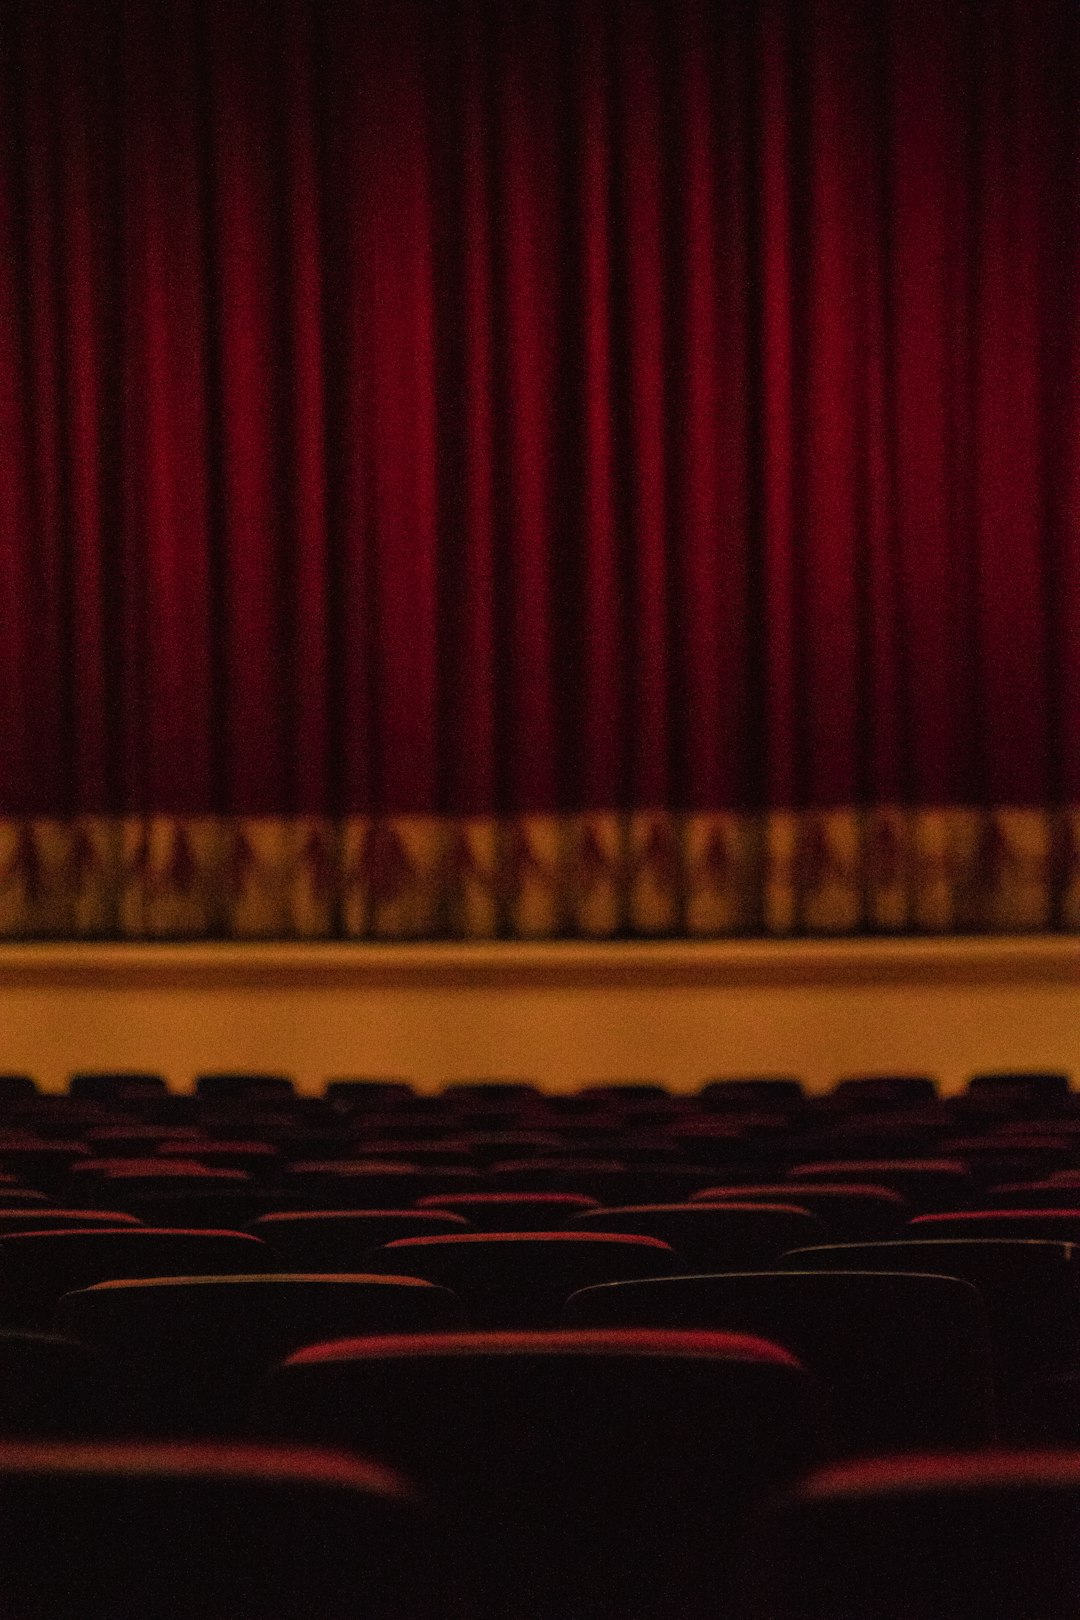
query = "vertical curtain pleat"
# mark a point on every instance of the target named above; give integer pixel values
(17, 557)
(305, 652)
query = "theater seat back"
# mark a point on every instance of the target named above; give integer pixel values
(212, 1533)
(590, 1474)
(995, 1537)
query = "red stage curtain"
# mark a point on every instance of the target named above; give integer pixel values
(490, 468)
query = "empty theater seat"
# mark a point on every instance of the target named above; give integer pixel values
(609, 1181)
(489, 1139)
(513, 1212)
(992, 1158)
(356, 1094)
(878, 1136)
(260, 1159)
(470, 1091)
(194, 1347)
(206, 1203)
(927, 1184)
(36, 1268)
(849, 1211)
(208, 1532)
(1039, 1087)
(16, 1088)
(906, 1358)
(52, 1218)
(116, 1085)
(587, 1474)
(755, 1091)
(994, 1537)
(134, 1140)
(1031, 1289)
(373, 1183)
(1043, 1194)
(421, 1152)
(243, 1087)
(1055, 1225)
(884, 1091)
(523, 1279)
(713, 1237)
(339, 1239)
(53, 1118)
(93, 1181)
(42, 1162)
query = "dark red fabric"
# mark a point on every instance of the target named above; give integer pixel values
(491, 407)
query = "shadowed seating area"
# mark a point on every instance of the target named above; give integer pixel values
(565, 1407)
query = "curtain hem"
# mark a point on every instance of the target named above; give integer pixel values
(886, 870)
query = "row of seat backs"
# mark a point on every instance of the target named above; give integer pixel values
(503, 1276)
(914, 1340)
(880, 1089)
(285, 1533)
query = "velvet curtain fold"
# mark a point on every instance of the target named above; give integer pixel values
(607, 467)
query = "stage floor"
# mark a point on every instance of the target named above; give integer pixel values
(562, 1014)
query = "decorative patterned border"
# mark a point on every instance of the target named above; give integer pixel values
(647, 874)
